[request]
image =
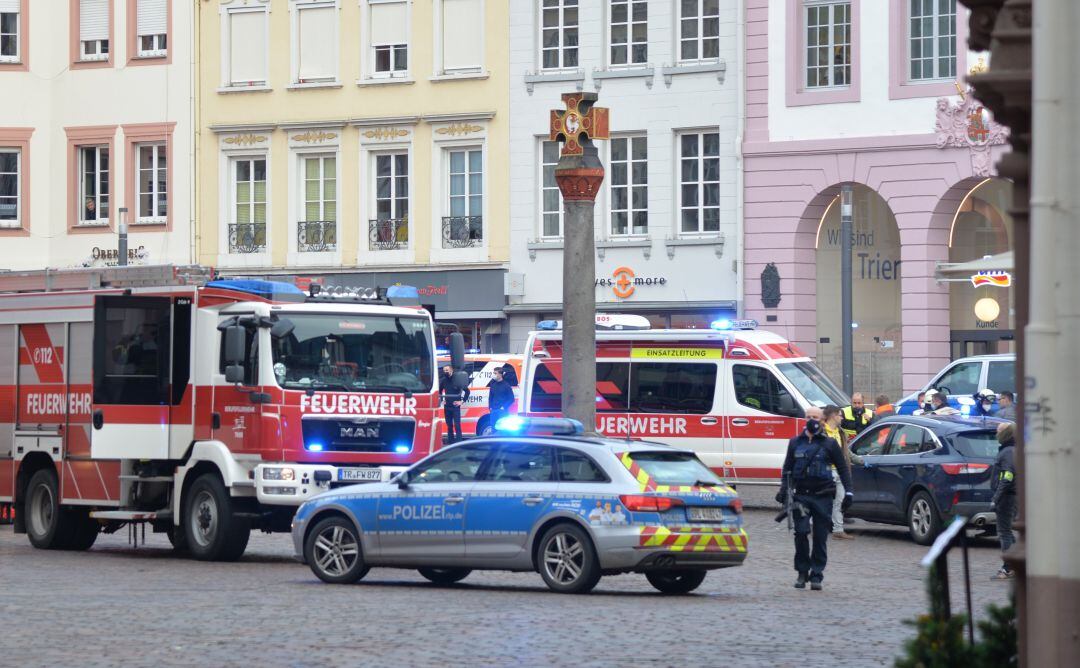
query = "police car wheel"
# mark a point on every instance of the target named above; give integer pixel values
(445, 576)
(675, 582)
(924, 523)
(567, 560)
(333, 552)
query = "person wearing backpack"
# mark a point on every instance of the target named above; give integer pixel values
(807, 472)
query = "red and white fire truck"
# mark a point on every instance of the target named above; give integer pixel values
(733, 394)
(204, 408)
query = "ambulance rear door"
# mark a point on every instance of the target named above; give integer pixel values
(762, 414)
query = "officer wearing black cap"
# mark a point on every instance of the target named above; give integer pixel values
(807, 473)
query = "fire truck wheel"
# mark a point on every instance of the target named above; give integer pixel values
(333, 551)
(84, 530)
(47, 525)
(211, 529)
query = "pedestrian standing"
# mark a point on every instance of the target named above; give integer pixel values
(1004, 499)
(500, 397)
(453, 396)
(808, 474)
(1007, 406)
(855, 416)
(939, 404)
(884, 407)
(920, 404)
(831, 421)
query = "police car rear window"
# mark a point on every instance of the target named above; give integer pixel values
(976, 443)
(674, 468)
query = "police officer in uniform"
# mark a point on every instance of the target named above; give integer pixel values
(453, 396)
(808, 471)
(855, 416)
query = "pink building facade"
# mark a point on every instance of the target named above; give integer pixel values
(839, 92)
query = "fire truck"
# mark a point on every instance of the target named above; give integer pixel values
(201, 408)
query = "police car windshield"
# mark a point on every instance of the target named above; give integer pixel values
(812, 383)
(675, 468)
(355, 353)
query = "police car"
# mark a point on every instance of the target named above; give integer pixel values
(537, 496)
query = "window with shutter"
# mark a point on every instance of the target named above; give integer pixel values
(462, 35)
(389, 38)
(316, 48)
(247, 48)
(10, 31)
(10, 187)
(152, 27)
(93, 29)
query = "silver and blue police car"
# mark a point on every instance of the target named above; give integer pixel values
(536, 496)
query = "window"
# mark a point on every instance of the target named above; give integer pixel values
(551, 209)
(458, 464)
(1002, 377)
(248, 231)
(10, 31)
(316, 43)
(390, 229)
(629, 32)
(873, 442)
(10, 184)
(522, 462)
(93, 29)
(152, 165)
(389, 25)
(908, 440)
(672, 387)
(828, 43)
(612, 387)
(674, 468)
(246, 38)
(758, 388)
(814, 385)
(131, 351)
(152, 27)
(699, 29)
(465, 224)
(960, 379)
(317, 223)
(94, 185)
(932, 39)
(462, 35)
(559, 34)
(699, 194)
(629, 185)
(976, 443)
(575, 466)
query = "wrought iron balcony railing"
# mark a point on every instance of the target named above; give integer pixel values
(247, 238)
(462, 231)
(388, 234)
(316, 236)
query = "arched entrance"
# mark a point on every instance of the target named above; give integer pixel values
(981, 317)
(875, 269)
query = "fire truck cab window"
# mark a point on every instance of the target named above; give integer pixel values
(131, 350)
(758, 388)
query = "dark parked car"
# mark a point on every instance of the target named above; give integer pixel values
(923, 471)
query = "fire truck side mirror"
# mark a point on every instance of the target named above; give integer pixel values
(234, 345)
(234, 373)
(457, 350)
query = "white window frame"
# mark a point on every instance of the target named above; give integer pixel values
(700, 207)
(100, 50)
(448, 196)
(232, 200)
(159, 43)
(629, 186)
(17, 223)
(98, 149)
(561, 6)
(321, 156)
(699, 38)
(935, 43)
(261, 6)
(541, 188)
(629, 25)
(17, 58)
(831, 5)
(368, 46)
(295, 8)
(394, 175)
(156, 217)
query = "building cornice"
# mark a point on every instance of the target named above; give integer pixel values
(244, 127)
(463, 116)
(385, 120)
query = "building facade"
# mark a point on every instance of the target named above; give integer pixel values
(95, 128)
(668, 217)
(353, 140)
(872, 94)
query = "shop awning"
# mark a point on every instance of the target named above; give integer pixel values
(950, 272)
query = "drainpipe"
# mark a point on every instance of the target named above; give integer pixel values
(846, 317)
(739, 263)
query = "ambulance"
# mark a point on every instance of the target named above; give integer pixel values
(733, 394)
(203, 408)
(474, 412)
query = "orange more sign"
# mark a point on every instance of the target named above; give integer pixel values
(624, 282)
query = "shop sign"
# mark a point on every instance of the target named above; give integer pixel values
(623, 282)
(996, 278)
(430, 290)
(110, 257)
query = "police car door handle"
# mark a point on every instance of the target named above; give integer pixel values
(740, 422)
(453, 500)
(532, 500)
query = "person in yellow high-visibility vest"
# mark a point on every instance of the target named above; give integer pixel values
(855, 416)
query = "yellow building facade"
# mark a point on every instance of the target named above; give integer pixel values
(364, 141)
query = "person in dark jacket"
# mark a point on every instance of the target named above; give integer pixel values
(500, 397)
(808, 471)
(1007, 406)
(1003, 481)
(452, 397)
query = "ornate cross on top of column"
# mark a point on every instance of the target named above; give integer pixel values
(580, 123)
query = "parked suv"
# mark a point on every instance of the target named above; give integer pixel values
(964, 377)
(921, 471)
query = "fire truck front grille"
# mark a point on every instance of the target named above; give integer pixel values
(389, 435)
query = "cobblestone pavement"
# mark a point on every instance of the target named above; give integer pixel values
(120, 606)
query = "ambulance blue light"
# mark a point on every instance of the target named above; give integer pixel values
(511, 424)
(472, 351)
(721, 324)
(442, 352)
(315, 447)
(548, 325)
(401, 448)
(724, 324)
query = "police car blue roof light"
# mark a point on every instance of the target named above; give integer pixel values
(516, 424)
(726, 324)
(315, 447)
(401, 448)
(511, 424)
